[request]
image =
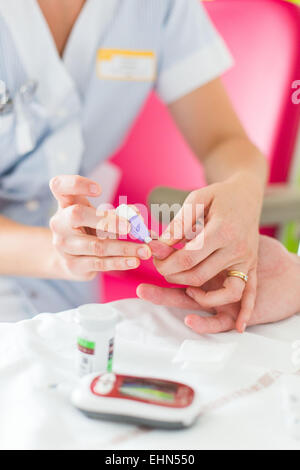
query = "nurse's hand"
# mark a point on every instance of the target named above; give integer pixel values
(229, 242)
(76, 228)
(277, 295)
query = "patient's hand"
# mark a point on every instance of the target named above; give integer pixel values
(277, 298)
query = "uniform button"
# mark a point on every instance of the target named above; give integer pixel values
(32, 206)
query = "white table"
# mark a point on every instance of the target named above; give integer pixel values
(241, 402)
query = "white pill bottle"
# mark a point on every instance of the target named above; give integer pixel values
(95, 338)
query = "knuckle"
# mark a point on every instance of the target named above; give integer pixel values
(118, 264)
(102, 225)
(76, 214)
(97, 247)
(196, 280)
(186, 261)
(75, 181)
(192, 196)
(53, 223)
(59, 242)
(126, 250)
(89, 276)
(98, 265)
(55, 183)
(71, 264)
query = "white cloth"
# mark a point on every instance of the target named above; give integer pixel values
(241, 403)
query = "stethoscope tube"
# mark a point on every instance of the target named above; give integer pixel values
(25, 94)
(6, 103)
(24, 138)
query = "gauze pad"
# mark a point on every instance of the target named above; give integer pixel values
(204, 354)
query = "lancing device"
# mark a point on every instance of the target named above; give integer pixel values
(138, 228)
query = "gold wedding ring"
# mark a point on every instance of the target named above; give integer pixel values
(238, 274)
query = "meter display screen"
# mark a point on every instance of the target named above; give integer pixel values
(143, 389)
(152, 390)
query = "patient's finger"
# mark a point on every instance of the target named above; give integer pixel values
(210, 325)
(160, 250)
(248, 302)
(230, 293)
(170, 297)
(202, 273)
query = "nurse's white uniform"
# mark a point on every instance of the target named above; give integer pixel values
(85, 104)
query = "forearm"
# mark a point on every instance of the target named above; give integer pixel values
(237, 157)
(25, 251)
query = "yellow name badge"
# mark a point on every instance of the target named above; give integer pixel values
(117, 64)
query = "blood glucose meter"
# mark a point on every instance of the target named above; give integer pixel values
(138, 400)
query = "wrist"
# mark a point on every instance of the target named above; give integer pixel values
(55, 266)
(250, 192)
(251, 182)
(47, 265)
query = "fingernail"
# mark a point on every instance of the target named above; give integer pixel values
(144, 253)
(187, 322)
(94, 189)
(131, 263)
(244, 327)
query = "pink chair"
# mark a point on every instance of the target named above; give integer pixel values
(264, 37)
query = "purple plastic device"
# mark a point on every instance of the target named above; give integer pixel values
(138, 228)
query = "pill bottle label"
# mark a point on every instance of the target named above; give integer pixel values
(110, 355)
(86, 356)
